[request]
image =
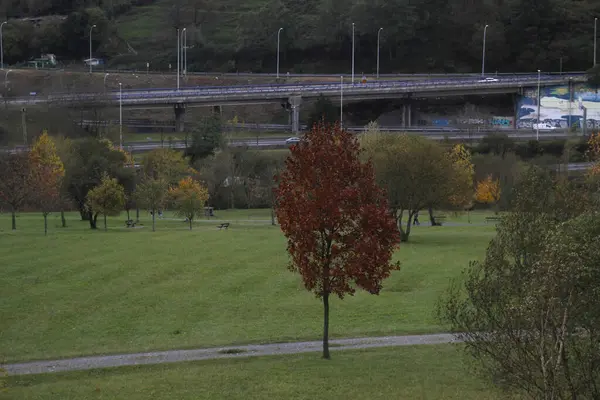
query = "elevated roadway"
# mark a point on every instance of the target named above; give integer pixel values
(292, 95)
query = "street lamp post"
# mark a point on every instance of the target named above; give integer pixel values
(91, 28)
(595, 36)
(6, 79)
(278, 33)
(121, 115)
(353, 53)
(341, 100)
(2, 46)
(178, 58)
(483, 57)
(184, 50)
(537, 129)
(378, 33)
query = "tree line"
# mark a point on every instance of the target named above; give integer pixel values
(426, 36)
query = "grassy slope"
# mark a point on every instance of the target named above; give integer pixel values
(81, 292)
(152, 25)
(411, 373)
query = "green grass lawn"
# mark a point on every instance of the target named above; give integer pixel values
(81, 292)
(411, 373)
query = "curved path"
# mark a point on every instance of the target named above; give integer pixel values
(172, 356)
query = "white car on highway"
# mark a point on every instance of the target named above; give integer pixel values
(292, 140)
(488, 79)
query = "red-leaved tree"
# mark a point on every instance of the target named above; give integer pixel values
(336, 219)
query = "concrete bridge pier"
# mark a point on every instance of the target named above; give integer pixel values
(295, 102)
(179, 115)
(406, 115)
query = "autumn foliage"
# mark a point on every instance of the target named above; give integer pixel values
(461, 180)
(488, 191)
(336, 219)
(47, 172)
(189, 198)
(593, 154)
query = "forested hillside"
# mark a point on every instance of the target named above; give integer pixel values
(235, 35)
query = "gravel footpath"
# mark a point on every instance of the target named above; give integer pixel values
(172, 356)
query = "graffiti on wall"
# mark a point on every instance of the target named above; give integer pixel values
(556, 110)
(502, 122)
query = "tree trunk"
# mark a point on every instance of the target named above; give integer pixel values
(45, 224)
(404, 234)
(154, 221)
(137, 215)
(85, 215)
(189, 219)
(63, 221)
(326, 354)
(14, 220)
(128, 218)
(431, 217)
(272, 216)
(93, 220)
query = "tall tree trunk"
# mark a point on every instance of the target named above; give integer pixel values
(326, 354)
(272, 216)
(105, 227)
(63, 221)
(45, 224)
(128, 218)
(85, 215)
(137, 215)
(154, 221)
(431, 217)
(14, 220)
(190, 223)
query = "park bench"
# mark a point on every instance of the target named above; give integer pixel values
(223, 225)
(130, 223)
(492, 219)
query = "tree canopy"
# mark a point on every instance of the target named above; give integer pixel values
(340, 234)
(526, 310)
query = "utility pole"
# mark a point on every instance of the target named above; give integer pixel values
(2, 46)
(91, 28)
(483, 57)
(278, 33)
(537, 130)
(24, 124)
(378, 33)
(178, 57)
(595, 36)
(353, 53)
(341, 100)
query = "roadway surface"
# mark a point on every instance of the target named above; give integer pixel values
(223, 95)
(259, 142)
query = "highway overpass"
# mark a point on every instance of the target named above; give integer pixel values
(293, 94)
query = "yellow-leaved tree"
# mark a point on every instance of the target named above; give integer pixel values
(461, 195)
(189, 198)
(47, 170)
(488, 191)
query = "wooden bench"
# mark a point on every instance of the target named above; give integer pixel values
(491, 219)
(223, 225)
(130, 223)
